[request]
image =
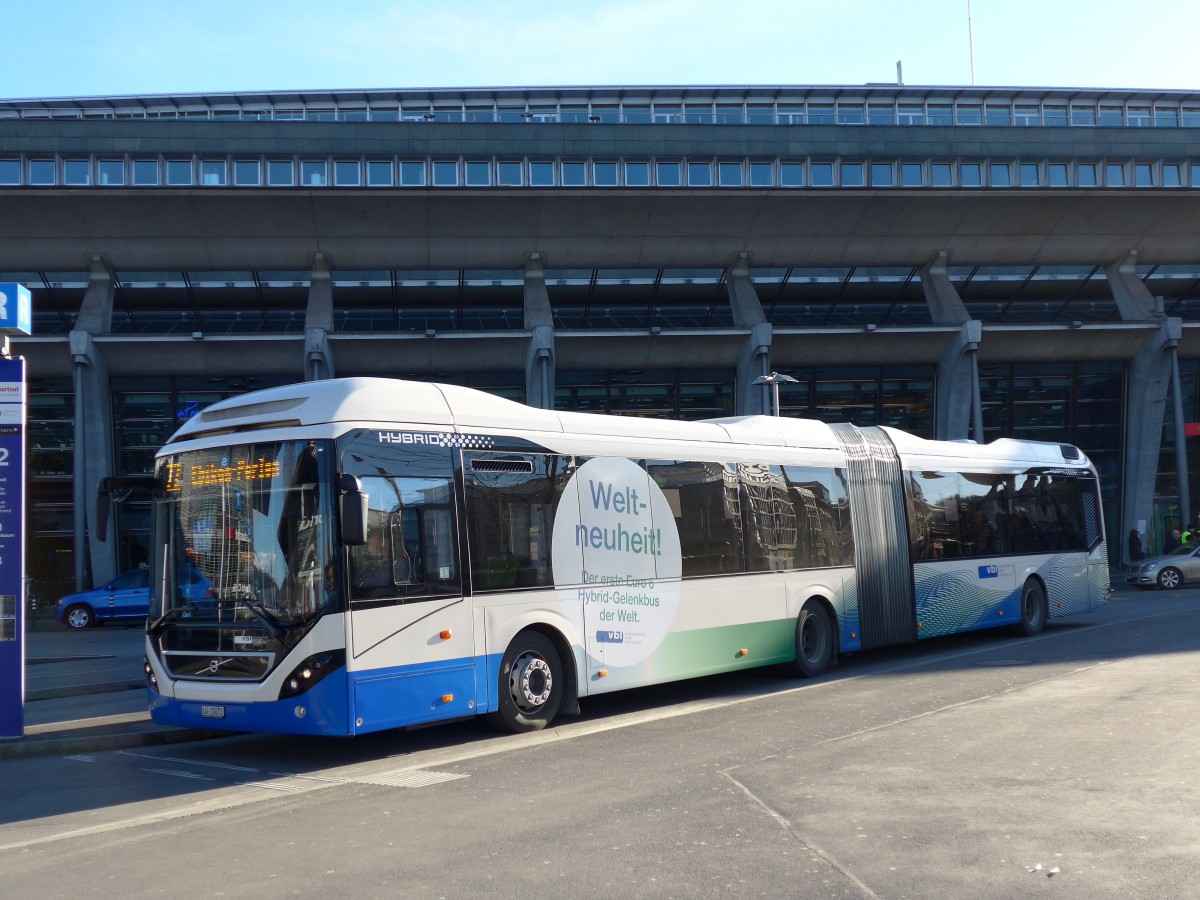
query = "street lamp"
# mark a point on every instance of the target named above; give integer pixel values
(775, 379)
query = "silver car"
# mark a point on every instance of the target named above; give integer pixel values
(1168, 571)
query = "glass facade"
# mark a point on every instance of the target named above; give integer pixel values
(50, 435)
(719, 172)
(476, 300)
(669, 394)
(899, 396)
(812, 106)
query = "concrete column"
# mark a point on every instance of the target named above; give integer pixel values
(93, 432)
(1134, 299)
(318, 322)
(95, 313)
(754, 359)
(1148, 385)
(958, 400)
(1149, 380)
(747, 308)
(540, 358)
(93, 456)
(945, 306)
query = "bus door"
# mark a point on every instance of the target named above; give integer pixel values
(410, 651)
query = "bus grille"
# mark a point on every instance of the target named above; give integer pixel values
(223, 666)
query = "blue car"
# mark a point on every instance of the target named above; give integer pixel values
(125, 598)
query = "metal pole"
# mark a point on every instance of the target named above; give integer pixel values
(1181, 460)
(78, 484)
(976, 399)
(776, 386)
(763, 361)
(971, 42)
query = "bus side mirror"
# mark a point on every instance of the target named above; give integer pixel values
(353, 512)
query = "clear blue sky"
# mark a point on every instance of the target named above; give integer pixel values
(83, 47)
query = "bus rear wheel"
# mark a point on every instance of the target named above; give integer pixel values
(530, 684)
(1034, 610)
(814, 640)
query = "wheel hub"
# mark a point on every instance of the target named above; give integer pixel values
(811, 640)
(530, 681)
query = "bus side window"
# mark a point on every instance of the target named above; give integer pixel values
(822, 515)
(411, 547)
(511, 500)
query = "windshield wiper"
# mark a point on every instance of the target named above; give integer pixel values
(260, 612)
(175, 612)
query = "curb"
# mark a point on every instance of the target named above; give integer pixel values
(80, 690)
(67, 745)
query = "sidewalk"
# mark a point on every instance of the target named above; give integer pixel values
(85, 693)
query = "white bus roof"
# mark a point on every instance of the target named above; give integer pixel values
(395, 403)
(410, 403)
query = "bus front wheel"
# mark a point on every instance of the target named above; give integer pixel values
(814, 640)
(1034, 611)
(531, 684)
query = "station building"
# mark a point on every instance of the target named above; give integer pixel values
(963, 263)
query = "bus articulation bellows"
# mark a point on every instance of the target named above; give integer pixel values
(385, 553)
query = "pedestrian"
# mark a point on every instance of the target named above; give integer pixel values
(1135, 546)
(1173, 541)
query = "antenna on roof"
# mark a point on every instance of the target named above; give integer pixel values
(899, 72)
(971, 42)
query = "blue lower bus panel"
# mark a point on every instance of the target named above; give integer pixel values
(319, 710)
(410, 695)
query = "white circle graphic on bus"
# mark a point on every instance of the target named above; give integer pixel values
(616, 555)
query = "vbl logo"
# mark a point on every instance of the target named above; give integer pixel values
(989, 572)
(610, 637)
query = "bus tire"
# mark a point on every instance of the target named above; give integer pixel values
(531, 684)
(1034, 609)
(1170, 578)
(814, 640)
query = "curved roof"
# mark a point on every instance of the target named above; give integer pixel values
(443, 407)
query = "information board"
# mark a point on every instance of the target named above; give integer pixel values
(12, 547)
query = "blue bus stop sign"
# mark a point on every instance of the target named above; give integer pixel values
(12, 547)
(16, 309)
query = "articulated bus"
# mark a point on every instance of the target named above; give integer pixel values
(386, 554)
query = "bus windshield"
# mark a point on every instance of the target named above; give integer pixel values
(244, 535)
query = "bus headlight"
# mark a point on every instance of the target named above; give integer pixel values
(151, 678)
(311, 671)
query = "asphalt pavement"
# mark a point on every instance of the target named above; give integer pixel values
(85, 692)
